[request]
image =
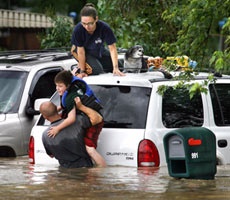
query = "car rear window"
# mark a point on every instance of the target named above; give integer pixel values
(123, 106)
(178, 110)
(220, 95)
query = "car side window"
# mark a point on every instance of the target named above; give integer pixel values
(44, 87)
(220, 96)
(123, 106)
(178, 110)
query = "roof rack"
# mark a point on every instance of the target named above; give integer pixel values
(212, 71)
(33, 55)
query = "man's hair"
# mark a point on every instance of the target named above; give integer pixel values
(89, 10)
(64, 77)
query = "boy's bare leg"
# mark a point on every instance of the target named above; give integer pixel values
(97, 158)
(94, 116)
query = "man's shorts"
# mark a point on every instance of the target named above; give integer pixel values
(92, 135)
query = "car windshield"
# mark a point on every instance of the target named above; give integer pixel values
(12, 84)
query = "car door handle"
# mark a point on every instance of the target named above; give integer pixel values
(222, 143)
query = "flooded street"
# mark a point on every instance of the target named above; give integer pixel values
(20, 180)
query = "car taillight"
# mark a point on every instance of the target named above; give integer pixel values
(148, 155)
(31, 150)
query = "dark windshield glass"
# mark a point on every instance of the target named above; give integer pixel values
(12, 86)
(220, 95)
(123, 106)
(178, 110)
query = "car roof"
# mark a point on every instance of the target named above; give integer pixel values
(142, 79)
(26, 60)
(135, 79)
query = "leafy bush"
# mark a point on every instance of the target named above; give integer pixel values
(170, 28)
(60, 35)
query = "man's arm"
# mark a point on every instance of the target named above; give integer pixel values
(114, 57)
(93, 115)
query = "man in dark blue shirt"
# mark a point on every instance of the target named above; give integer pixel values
(88, 39)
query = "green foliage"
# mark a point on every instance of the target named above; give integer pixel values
(168, 28)
(173, 28)
(198, 26)
(197, 88)
(59, 36)
(138, 22)
(193, 88)
(220, 60)
(185, 79)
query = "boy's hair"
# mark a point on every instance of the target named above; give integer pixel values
(64, 77)
(89, 10)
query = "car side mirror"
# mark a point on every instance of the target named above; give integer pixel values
(38, 102)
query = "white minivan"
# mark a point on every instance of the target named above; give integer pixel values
(137, 117)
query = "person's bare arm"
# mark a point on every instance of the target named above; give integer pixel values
(93, 115)
(82, 63)
(54, 130)
(114, 57)
(81, 60)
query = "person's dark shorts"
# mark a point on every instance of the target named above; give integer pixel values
(92, 135)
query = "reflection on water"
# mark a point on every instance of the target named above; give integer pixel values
(20, 180)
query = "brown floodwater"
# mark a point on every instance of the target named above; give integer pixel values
(20, 180)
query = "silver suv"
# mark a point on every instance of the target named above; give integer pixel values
(24, 77)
